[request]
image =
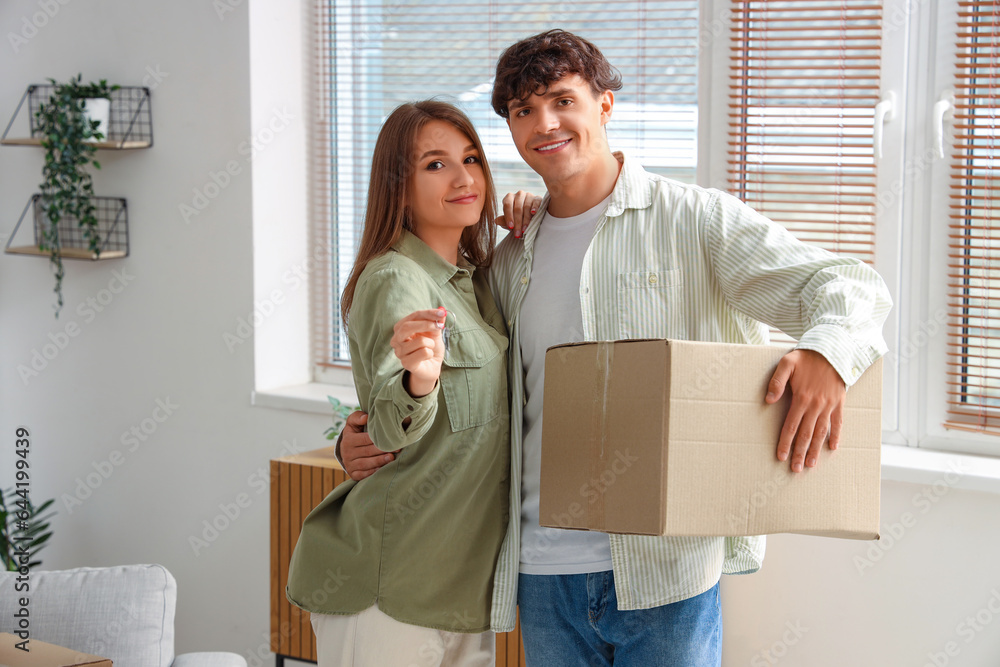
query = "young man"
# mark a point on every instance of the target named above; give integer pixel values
(616, 252)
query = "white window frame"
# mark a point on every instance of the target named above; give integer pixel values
(935, 30)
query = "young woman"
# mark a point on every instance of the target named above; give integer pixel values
(397, 569)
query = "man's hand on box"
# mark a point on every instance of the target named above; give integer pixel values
(817, 410)
(360, 456)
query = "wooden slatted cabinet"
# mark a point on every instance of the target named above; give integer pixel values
(298, 484)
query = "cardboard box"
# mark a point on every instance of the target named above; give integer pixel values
(670, 437)
(40, 654)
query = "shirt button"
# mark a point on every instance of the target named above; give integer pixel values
(524, 280)
(855, 372)
(409, 407)
(652, 278)
(586, 290)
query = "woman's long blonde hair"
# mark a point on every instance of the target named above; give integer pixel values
(386, 215)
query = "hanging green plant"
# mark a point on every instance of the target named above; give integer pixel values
(67, 137)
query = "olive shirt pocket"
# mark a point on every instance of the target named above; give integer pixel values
(651, 304)
(469, 378)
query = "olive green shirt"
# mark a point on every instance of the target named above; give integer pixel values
(421, 536)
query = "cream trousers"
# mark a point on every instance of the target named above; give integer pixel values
(373, 639)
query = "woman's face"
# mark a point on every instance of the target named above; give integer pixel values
(447, 187)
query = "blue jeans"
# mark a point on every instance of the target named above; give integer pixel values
(574, 620)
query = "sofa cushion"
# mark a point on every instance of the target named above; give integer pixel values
(125, 613)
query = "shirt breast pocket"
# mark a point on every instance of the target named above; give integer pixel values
(651, 304)
(474, 379)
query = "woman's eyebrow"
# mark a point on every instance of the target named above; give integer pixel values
(437, 151)
(432, 152)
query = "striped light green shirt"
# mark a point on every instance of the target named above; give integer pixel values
(671, 260)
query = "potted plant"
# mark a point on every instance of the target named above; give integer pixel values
(23, 528)
(68, 134)
(341, 411)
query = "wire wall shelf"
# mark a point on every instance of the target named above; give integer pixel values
(112, 230)
(130, 124)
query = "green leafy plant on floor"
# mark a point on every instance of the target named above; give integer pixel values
(23, 528)
(341, 411)
(67, 189)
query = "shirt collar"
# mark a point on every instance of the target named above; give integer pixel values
(631, 191)
(631, 188)
(440, 271)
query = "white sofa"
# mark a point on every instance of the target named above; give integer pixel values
(125, 613)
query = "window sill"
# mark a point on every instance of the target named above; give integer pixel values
(926, 466)
(309, 397)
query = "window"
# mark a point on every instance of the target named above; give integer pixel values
(379, 55)
(974, 238)
(825, 115)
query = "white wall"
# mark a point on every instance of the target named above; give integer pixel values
(821, 602)
(161, 338)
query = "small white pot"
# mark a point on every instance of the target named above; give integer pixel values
(99, 109)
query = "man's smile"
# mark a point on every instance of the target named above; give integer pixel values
(553, 146)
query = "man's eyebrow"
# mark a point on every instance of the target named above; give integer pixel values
(559, 92)
(471, 148)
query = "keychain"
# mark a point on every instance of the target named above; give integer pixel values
(446, 332)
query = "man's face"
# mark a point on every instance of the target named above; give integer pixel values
(561, 134)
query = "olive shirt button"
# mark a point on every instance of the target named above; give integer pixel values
(524, 280)
(652, 278)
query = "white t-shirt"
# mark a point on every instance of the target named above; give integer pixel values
(551, 315)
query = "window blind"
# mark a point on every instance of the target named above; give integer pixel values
(369, 57)
(804, 82)
(973, 273)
